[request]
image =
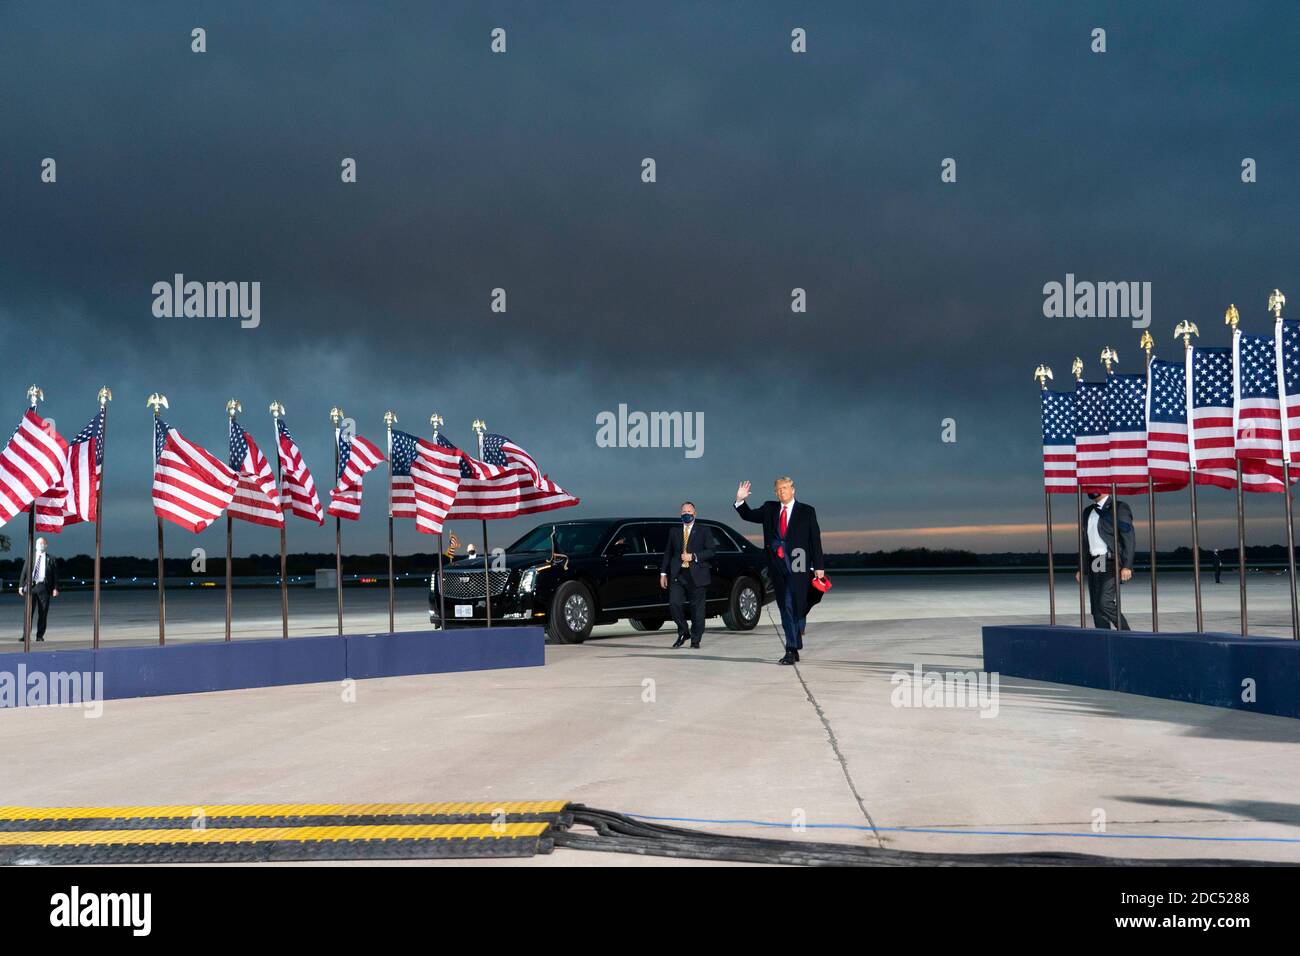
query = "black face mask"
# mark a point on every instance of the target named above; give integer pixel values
(687, 517)
(1094, 495)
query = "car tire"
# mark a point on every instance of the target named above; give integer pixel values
(573, 612)
(744, 606)
(648, 623)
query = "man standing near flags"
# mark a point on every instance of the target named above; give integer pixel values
(1099, 533)
(793, 542)
(43, 579)
(684, 571)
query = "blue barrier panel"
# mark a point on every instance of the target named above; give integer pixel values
(1066, 655)
(437, 652)
(1258, 674)
(192, 668)
(45, 677)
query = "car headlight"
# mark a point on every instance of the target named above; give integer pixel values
(528, 581)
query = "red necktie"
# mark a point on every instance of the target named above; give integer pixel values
(780, 548)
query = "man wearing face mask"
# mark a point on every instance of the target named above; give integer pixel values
(43, 579)
(684, 571)
(1099, 538)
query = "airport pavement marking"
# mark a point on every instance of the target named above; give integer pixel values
(262, 810)
(175, 837)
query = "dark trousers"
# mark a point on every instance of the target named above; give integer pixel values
(792, 626)
(684, 593)
(40, 610)
(1101, 596)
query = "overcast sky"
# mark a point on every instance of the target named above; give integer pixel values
(522, 171)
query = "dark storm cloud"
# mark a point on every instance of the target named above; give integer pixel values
(522, 171)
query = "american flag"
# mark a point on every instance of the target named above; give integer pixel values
(1286, 337)
(30, 465)
(501, 485)
(426, 478)
(1210, 412)
(1257, 427)
(191, 486)
(1058, 441)
(256, 497)
(357, 456)
(74, 498)
(1091, 436)
(297, 490)
(1126, 402)
(1167, 424)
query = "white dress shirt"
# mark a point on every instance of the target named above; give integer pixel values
(1097, 546)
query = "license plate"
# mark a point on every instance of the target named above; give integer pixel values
(464, 610)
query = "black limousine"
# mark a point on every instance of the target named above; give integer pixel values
(572, 575)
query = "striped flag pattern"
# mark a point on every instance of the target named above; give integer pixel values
(1286, 340)
(357, 457)
(31, 464)
(502, 485)
(1167, 424)
(74, 498)
(426, 478)
(256, 498)
(1058, 441)
(191, 486)
(1209, 411)
(1091, 436)
(1126, 399)
(1257, 421)
(297, 490)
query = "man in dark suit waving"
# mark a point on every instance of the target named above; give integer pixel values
(685, 572)
(793, 543)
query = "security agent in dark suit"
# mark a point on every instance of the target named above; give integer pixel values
(1099, 538)
(43, 579)
(685, 572)
(793, 542)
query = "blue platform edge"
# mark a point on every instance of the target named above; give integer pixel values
(1258, 674)
(115, 673)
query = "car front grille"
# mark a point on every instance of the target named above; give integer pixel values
(469, 584)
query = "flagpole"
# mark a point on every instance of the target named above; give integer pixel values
(277, 410)
(1110, 357)
(1077, 368)
(1232, 317)
(1187, 330)
(1042, 375)
(336, 416)
(389, 420)
(480, 427)
(232, 409)
(157, 401)
(436, 421)
(1146, 343)
(1275, 303)
(105, 396)
(34, 395)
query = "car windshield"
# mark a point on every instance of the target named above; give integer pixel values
(569, 539)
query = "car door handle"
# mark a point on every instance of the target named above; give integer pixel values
(652, 567)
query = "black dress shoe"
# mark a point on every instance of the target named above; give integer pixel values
(788, 659)
(796, 657)
(695, 645)
(680, 641)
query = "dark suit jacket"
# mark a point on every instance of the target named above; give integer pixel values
(802, 536)
(700, 546)
(51, 582)
(1106, 528)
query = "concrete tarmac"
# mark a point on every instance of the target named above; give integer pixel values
(721, 738)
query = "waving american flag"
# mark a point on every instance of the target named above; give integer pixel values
(1091, 436)
(502, 485)
(1058, 441)
(191, 486)
(30, 465)
(1286, 338)
(1126, 400)
(1167, 424)
(297, 490)
(357, 457)
(1209, 410)
(256, 497)
(74, 498)
(426, 477)
(1257, 428)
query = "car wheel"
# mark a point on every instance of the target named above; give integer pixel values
(648, 623)
(744, 607)
(572, 613)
